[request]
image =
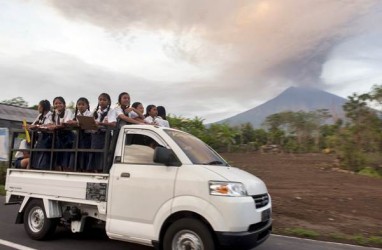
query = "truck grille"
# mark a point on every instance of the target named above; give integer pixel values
(261, 200)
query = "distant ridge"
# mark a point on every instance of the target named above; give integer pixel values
(292, 99)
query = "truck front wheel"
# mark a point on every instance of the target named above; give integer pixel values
(36, 224)
(190, 234)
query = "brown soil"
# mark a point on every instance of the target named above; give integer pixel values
(307, 192)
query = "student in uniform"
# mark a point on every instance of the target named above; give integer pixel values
(152, 116)
(42, 139)
(64, 137)
(104, 116)
(22, 156)
(162, 114)
(138, 112)
(84, 136)
(123, 110)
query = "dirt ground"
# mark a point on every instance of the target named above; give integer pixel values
(308, 193)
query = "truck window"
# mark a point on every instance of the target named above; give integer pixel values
(196, 150)
(139, 149)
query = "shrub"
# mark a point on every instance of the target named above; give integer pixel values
(302, 232)
(371, 172)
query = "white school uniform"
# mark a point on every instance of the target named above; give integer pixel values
(133, 114)
(86, 113)
(23, 145)
(118, 111)
(68, 115)
(46, 119)
(111, 115)
(157, 121)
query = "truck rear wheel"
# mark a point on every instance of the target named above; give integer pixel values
(36, 224)
(190, 234)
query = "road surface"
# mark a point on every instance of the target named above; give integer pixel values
(13, 236)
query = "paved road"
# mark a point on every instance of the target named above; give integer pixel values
(13, 236)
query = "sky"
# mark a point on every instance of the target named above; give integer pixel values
(210, 59)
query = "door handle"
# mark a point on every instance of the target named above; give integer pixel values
(125, 175)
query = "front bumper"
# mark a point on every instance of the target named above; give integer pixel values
(256, 235)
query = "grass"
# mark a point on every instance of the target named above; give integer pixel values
(363, 240)
(3, 173)
(2, 191)
(302, 232)
(371, 172)
(375, 241)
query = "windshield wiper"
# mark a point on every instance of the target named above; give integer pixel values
(214, 163)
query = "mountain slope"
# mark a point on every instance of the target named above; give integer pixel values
(292, 99)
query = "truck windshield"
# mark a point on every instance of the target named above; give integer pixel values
(196, 150)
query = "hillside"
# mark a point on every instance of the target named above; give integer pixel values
(292, 99)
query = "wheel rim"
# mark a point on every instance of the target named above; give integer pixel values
(36, 219)
(187, 240)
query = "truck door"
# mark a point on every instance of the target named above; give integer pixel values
(139, 188)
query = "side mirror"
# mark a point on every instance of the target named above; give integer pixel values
(165, 156)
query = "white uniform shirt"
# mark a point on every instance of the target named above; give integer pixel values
(86, 113)
(111, 116)
(68, 115)
(133, 114)
(157, 121)
(47, 119)
(118, 111)
(23, 145)
(164, 123)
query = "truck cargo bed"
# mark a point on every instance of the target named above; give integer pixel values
(60, 185)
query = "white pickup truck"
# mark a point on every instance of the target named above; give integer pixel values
(175, 193)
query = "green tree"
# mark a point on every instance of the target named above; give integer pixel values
(224, 136)
(359, 142)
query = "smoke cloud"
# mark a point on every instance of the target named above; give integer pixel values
(259, 47)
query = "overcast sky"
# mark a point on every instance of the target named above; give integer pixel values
(211, 59)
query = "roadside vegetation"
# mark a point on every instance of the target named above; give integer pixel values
(336, 237)
(355, 140)
(2, 177)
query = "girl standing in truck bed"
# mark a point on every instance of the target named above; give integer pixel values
(42, 138)
(65, 137)
(84, 136)
(105, 116)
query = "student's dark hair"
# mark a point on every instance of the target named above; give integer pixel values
(136, 104)
(148, 109)
(120, 99)
(45, 104)
(162, 112)
(61, 115)
(103, 115)
(81, 99)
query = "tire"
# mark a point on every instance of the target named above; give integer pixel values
(36, 224)
(188, 233)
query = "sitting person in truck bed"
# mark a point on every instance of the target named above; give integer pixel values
(22, 156)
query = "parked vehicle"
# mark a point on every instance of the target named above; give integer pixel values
(161, 187)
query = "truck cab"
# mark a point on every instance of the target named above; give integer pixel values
(165, 188)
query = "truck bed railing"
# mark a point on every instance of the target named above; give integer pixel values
(107, 151)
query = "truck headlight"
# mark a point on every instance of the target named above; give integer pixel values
(223, 188)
